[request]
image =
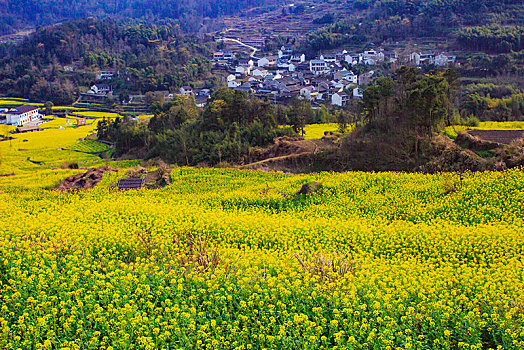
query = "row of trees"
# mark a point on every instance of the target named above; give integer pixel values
(410, 106)
(179, 132)
(230, 125)
(496, 109)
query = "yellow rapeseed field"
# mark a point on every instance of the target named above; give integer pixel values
(316, 131)
(515, 125)
(230, 259)
(58, 142)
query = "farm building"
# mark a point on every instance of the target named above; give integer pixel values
(22, 115)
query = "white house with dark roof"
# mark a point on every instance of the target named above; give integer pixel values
(443, 60)
(420, 58)
(22, 115)
(298, 58)
(267, 61)
(186, 90)
(285, 53)
(358, 93)
(329, 58)
(309, 92)
(258, 72)
(105, 74)
(233, 84)
(340, 99)
(242, 70)
(318, 67)
(100, 89)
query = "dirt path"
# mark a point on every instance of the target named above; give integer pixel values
(274, 159)
(254, 49)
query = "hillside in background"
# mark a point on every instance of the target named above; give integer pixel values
(377, 21)
(147, 58)
(19, 14)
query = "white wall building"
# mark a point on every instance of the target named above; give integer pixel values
(99, 89)
(318, 67)
(298, 58)
(266, 61)
(285, 53)
(186, 90)
(443, 60)
(328, 58)
(308, 93)
(105, 74)
(357, 93)
(22, 115)
(233, 84)
(259, 72)
(242, 70)
(339, 99)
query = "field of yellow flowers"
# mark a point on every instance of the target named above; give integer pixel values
(58, 142)
(230, 259)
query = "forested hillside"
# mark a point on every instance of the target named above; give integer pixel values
(378, 20)
(147, 57)
(18, 14)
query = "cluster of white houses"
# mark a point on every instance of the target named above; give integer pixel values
(323, 79)
(20, 116)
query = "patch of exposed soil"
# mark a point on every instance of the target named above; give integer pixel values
(466, 139)
(504, 137)
(153, 178)
(84, 181)
(448, 156)
(288, 152)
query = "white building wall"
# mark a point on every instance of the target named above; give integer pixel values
(336, 100)
(22, 119)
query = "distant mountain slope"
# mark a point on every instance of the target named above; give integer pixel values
(17, 14)
(378, 20)
(148, 57)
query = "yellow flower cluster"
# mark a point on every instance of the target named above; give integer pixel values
(58, 142)
(229, 259)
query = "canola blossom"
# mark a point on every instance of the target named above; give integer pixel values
(58, 142)
(231, 259)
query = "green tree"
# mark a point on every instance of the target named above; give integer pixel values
(300, 111)
(48, 108)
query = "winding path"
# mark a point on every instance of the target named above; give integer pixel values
(241, 43)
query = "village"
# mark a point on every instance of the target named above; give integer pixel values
(328, 79)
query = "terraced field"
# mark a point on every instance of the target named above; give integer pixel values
(56, 144)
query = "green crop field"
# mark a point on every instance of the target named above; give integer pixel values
(230, 259)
